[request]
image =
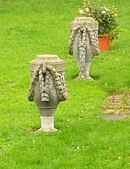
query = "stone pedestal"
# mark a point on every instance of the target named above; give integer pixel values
(83, 43)
(47, 87)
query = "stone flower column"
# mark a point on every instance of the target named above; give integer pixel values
(47, 87)
(83, 43)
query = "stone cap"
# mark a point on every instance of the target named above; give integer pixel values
(84, 21)
(51, 60)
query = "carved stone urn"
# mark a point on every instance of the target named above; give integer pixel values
(83, 43)
(47, 87)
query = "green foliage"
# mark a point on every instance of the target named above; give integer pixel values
(105, 14)
(84, 139)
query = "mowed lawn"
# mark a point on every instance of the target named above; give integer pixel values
(84, 140)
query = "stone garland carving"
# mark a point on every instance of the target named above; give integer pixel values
(44, 82)
(32, 84)
(82, 37)
(60, 83)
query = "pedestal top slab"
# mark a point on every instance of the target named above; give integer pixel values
(51, 60)
(84, 21)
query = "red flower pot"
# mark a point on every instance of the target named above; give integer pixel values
(104, 42)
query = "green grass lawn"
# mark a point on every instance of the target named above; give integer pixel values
(84, 139)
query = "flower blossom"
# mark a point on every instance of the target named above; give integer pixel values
(87, 9)
(103, 12)
(106, 9)
(81, 11)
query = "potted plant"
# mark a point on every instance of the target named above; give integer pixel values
(106, 16)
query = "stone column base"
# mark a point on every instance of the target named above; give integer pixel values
(47, 124)
(84, 74)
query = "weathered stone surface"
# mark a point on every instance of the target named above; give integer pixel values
(47, 87)
(84, 21)
(83, 43)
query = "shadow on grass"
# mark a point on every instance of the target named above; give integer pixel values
(95, 77)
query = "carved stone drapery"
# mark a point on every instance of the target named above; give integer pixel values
(44, 80)
(83, 43)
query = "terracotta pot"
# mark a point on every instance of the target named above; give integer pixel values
(104, 42)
